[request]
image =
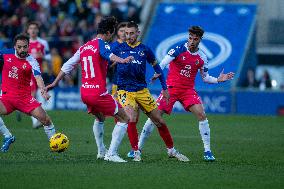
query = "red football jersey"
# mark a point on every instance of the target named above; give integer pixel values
(184, 67)
(16, 75)
(93, 57)
(39, 49)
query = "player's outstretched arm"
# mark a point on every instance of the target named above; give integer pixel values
(225, 77)
(115, 59)
(210, 79)
(56, 81)
(41, 87)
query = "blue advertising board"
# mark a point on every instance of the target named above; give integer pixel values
(227, 28)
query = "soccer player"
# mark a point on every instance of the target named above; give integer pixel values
(184, 62)
(93, 57)
(132, 90)
(17, 68)
(39, 49)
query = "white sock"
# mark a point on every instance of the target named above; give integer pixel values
(49, 130)
(146, 132)
(4, 130)
(205, 134)
(98, 129)
(117, 136)
(35, 121)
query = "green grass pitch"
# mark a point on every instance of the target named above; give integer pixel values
(249, 152)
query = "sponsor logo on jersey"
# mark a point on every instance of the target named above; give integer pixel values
(13, 73)
(90, 86)
(215, 59)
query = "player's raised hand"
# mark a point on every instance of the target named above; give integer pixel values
(225, 77)
(155, 76)
(166, 95)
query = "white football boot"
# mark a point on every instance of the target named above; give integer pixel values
(114, 158)
(101, 154)
(173, 153)
(137, 156)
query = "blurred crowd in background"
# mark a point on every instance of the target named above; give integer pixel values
(65, 24)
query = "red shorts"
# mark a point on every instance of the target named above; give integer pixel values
(33, 84)
(187, 97)
(104, 104)
(25, 105)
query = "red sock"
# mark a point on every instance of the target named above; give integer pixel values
(166, 136)
(133, 135)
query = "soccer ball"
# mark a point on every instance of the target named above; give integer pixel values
(58, 142)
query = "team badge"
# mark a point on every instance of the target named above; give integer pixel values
(197, 62)
(183, 57)
(141, 53)
(24, 66)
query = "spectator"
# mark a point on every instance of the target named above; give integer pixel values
(250, 81)
(56, 61)
(265, 81)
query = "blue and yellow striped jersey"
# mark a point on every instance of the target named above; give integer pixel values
(131, 76)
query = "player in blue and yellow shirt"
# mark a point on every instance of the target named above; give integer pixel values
(133, 91)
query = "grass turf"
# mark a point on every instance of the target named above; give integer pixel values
(249, 152)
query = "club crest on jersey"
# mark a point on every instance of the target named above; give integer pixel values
(141, 53)
(24, 66)
(183, 57)
(197, 62)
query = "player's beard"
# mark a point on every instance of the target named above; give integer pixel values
(23, 54)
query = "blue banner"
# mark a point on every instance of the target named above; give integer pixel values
(227, 28)
(259, 103)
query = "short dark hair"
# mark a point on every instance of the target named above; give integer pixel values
(197, 30)
(132, 24)
(33, 23)
(107, 24)
(121, 25)
(21, 36)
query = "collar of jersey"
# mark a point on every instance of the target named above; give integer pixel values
(135, 45)
(119, 41)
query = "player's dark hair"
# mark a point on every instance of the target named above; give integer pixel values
(197, 30)
(107, 24)
(120, 25)
(132, 24)
(33, 23)
(21, 36)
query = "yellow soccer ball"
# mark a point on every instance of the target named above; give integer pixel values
(58, 142)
